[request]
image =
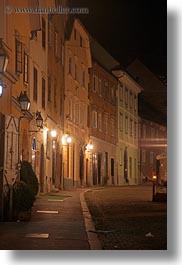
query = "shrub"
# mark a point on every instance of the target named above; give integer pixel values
(28, 176)
(23, 198)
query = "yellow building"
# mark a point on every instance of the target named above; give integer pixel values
(33, 43)
(14, 44)
(75, 138)
(47, 83)
(127, 117)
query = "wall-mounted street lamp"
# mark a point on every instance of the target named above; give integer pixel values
(89, 147)
(39, 120)
(66, 139)
(24, 101)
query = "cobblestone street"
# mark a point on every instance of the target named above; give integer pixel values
(125, 218)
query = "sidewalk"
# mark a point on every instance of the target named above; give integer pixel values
(59, 222)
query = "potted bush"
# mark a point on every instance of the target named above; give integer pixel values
(29, 177)
(23, 200)
(24, 192)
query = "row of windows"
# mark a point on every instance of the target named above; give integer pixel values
(150, 132)
(49, 92)
(128, 98)
(128, 125)
(73, 70)
(76, 112)
(103, 123)
(22, 61)
(78, 37)
(103, 88)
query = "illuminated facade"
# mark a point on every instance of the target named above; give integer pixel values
(152, 143)
(127, 129)
(78, 62)
(35, 51)
(102, 117)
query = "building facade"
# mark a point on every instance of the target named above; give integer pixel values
(75, 138)
(102, 120)
(152, 123)
(127, 128)
(35, 53)
(152, 151)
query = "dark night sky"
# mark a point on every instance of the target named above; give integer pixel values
(130, 29)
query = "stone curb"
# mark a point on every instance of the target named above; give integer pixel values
(93, 239)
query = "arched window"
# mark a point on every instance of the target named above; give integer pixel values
(70, 65)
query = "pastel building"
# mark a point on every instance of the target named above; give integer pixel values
(102, 119)
(127, 128)
(75, 138)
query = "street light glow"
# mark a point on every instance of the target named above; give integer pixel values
(68, 139)
(54, 133)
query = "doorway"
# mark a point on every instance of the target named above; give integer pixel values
(42, 168)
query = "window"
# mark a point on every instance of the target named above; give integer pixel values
(70, 66)
(82, 114)
(112, 128)
(35, 83)
(143, 156)
(81, 41)
(100, 87)
(121, 121)
(62, 54)
(70, 109)
(100, 122)
(56, 43)
(49, 89)
(112, 169)
(113, 94)
(135, 129)
(121, 157)
(131, 127)
(106, 124)
(121, 92)
(83, 78)
(106, 89)
(18, 47)
(55, 94)
(94, 119)
(77, 113)
(94, 83)
(76, 72)
(25, 72)
(131, 100)
(126, 96)
(43, 92)
(49, 33)
(43, 33)
(126, 125)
